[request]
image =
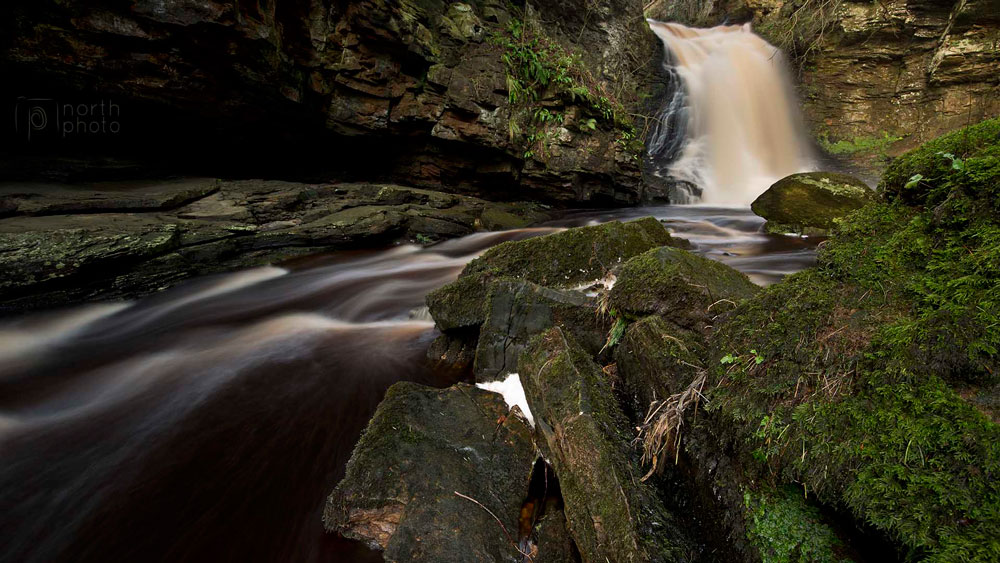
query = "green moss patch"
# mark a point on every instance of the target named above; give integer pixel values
(786, 529)
(679, 284)
(966, 160)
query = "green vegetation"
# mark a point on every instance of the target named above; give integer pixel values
(539, 69)
(616, 332)
(976, 152)
(870, 145)
(879, 379)
(786, 529)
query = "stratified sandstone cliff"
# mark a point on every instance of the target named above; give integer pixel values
(413, 91)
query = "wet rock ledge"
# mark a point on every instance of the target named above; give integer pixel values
(65, 244)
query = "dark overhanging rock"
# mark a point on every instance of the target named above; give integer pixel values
(409, 91)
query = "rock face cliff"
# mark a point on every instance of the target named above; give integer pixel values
(876, 78)
(509, 100)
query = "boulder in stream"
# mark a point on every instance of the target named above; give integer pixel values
(682, 286)
(562, 260)
(808, 202)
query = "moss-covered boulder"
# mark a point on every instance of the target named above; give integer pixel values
(807, 203)
(685, 287)
(611, 515)
(518, 310)
(561, 260)
(422, 447)
(872, 380)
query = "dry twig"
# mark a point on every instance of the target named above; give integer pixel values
(502, 527)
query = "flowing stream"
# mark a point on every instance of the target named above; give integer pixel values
(211, 420)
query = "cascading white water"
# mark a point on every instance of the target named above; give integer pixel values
(734, 127)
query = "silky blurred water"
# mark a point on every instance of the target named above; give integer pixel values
(211, 420)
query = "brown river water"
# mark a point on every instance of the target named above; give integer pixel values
(211, 420)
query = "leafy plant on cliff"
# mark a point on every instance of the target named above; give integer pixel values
(540, 69)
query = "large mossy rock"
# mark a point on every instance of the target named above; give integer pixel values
(518, 310)
(680, 285)
(808, 202)
(561, 260)
(872, 380)
(422, 446)
(611, 514)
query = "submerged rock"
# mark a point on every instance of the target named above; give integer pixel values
(807, 203)
(422, 447)
(677, 284)
(561, 260)
(611, 515)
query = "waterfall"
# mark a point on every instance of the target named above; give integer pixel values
(731, 128)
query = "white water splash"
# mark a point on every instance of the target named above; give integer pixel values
(738, 115)
(513, 394)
